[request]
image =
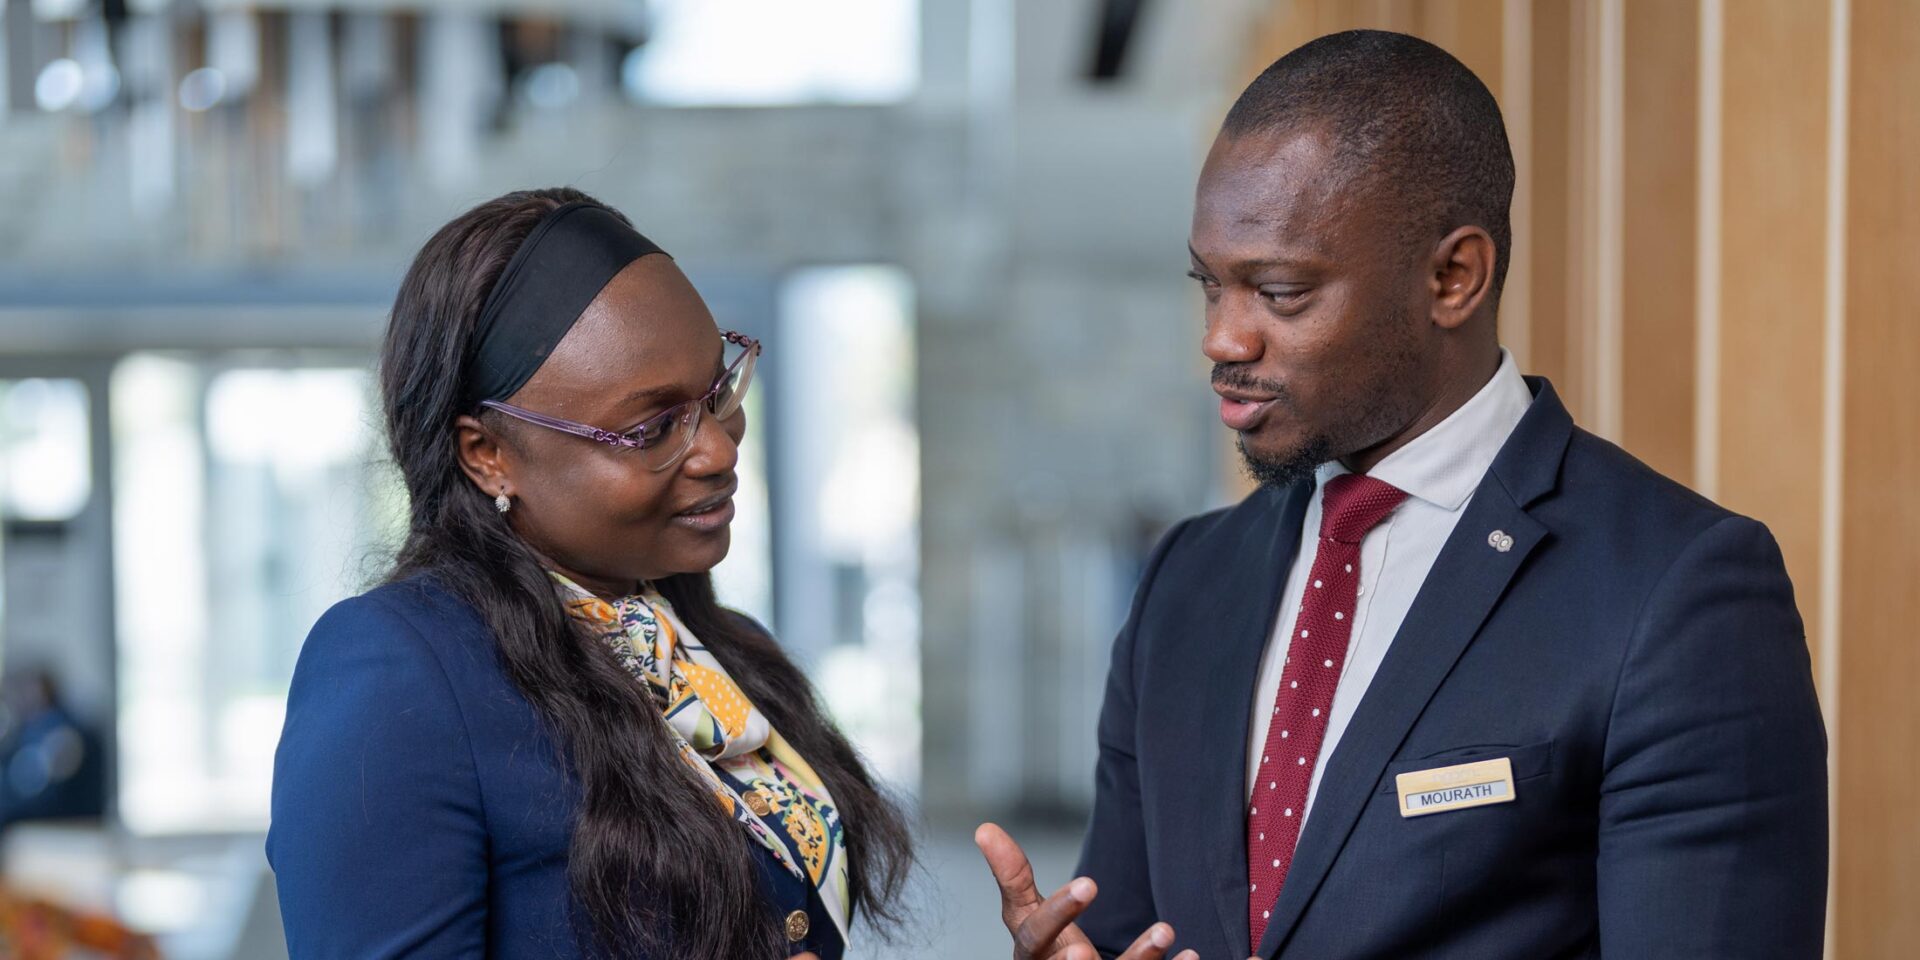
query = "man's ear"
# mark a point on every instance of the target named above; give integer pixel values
(1463, 264)
(483, 457)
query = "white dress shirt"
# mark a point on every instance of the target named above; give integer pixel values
(1439, 471)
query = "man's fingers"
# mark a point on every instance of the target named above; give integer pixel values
(1152, 945)
(1010, 870)
(1035, 935)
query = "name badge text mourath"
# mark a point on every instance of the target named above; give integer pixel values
(1455, 788)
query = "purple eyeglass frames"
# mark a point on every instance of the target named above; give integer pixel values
(662, 439)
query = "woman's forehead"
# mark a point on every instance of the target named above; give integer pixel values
(647, 329)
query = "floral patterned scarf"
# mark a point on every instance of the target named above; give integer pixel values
(759, 779)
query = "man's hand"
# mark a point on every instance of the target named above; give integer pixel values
(1044, 929)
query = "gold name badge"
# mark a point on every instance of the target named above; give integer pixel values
(1455, 788)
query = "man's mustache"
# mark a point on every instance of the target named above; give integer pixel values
(1238, 377)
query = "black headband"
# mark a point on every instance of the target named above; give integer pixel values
(562, 265)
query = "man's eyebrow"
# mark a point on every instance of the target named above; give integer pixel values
(1285, 260)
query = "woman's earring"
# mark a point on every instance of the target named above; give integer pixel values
(501, 503)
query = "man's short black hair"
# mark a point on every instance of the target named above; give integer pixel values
(1409, 123)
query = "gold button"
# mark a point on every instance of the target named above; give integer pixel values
(757, 802)
(798, 923)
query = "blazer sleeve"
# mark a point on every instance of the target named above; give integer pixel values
(378, 842)
(1114, 853)
(1713, 804)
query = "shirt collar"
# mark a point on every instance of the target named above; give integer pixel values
(1444, 465)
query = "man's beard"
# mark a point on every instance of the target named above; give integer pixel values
(1290, 467)
(1355, 424)
(1284, 471)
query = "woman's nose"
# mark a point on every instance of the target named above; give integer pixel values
(715, 448)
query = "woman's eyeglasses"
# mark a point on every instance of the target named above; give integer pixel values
(662, 439)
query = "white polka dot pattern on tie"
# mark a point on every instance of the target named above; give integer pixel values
(1351, 506)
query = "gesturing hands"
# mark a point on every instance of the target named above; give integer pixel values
(1044, 929)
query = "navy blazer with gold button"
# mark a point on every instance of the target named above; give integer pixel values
(1635, 653)
(419, 809)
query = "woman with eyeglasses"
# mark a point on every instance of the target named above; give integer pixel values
(543, 736)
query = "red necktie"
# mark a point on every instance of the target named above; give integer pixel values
(1350, 506)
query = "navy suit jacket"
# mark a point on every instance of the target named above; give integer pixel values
(419, 810)
(1636, 654)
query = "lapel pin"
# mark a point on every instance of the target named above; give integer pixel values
(1500, 541)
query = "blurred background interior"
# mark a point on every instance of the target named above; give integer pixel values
(958, 225)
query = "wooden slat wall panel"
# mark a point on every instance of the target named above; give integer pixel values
(1658, 260)
(1549, 161)
(1468, 29)
(1773, 226)
(1877, 871)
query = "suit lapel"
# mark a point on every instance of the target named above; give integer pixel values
(1231, 645)
(1467, 581)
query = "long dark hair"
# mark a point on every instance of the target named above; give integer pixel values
(657, 866)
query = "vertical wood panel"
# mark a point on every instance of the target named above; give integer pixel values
(1285, 26)
(1549, 221)
(1516, 107)
(1773, 223)
(1400, 15)
(1657, 295)
(1877, 873)
(1707, 224)
(1470, 30)
(1579, 315)
(1826, 667)
(1608, 202)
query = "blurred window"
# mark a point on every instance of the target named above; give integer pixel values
(46, 472)
(744, 580)
(849, 496)
(776, 52)
(248, 497)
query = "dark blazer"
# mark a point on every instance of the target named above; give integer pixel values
(1637, 655)
(418, 808)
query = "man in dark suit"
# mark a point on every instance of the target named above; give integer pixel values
(1460, 679)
